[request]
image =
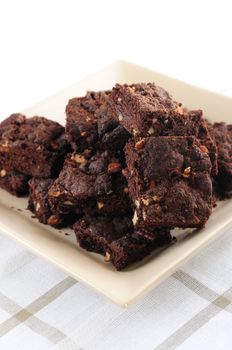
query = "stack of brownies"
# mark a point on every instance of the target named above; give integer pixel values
(130, 165)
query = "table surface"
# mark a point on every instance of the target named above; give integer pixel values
(42, 306)
(46, 46)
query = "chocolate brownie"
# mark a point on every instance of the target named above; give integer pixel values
(169, 182)
(116, 239)
(90, 184)
(143, 108)
(13, 182)
(33, 146)
(136, 246)
(91, 122)
(148, 110)
(222, 133)
(95, 233)
(81, 122)
(39, 205)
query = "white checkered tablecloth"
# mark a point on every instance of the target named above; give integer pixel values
(41, 308)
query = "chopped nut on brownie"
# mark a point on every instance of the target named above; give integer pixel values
(13, 182)
(38, 203)
(96, 185)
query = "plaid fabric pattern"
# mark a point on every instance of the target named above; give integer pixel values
(42, 308)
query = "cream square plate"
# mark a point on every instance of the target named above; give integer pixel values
(59, 246)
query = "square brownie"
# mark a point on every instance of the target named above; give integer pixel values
(32, 146)
(143, 108)
(81, 122)
(38, 203)
(116, 239)
(91, 184)
(91, 122)
(94, 233)
(136, 246)
(148, 110)
(222, 134)
(13, 182)
(169, 182)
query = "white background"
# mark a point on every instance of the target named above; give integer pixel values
(47, 45)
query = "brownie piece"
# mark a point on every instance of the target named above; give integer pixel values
(136, 246)
(169, 182)
(148, 110)
(143, 108)
(116, 239)
(38, 203)
(91, 122)
(13, 182)
(81, 122)
(222, 133)
(90, 184)
(32, 146)
(95, 233)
